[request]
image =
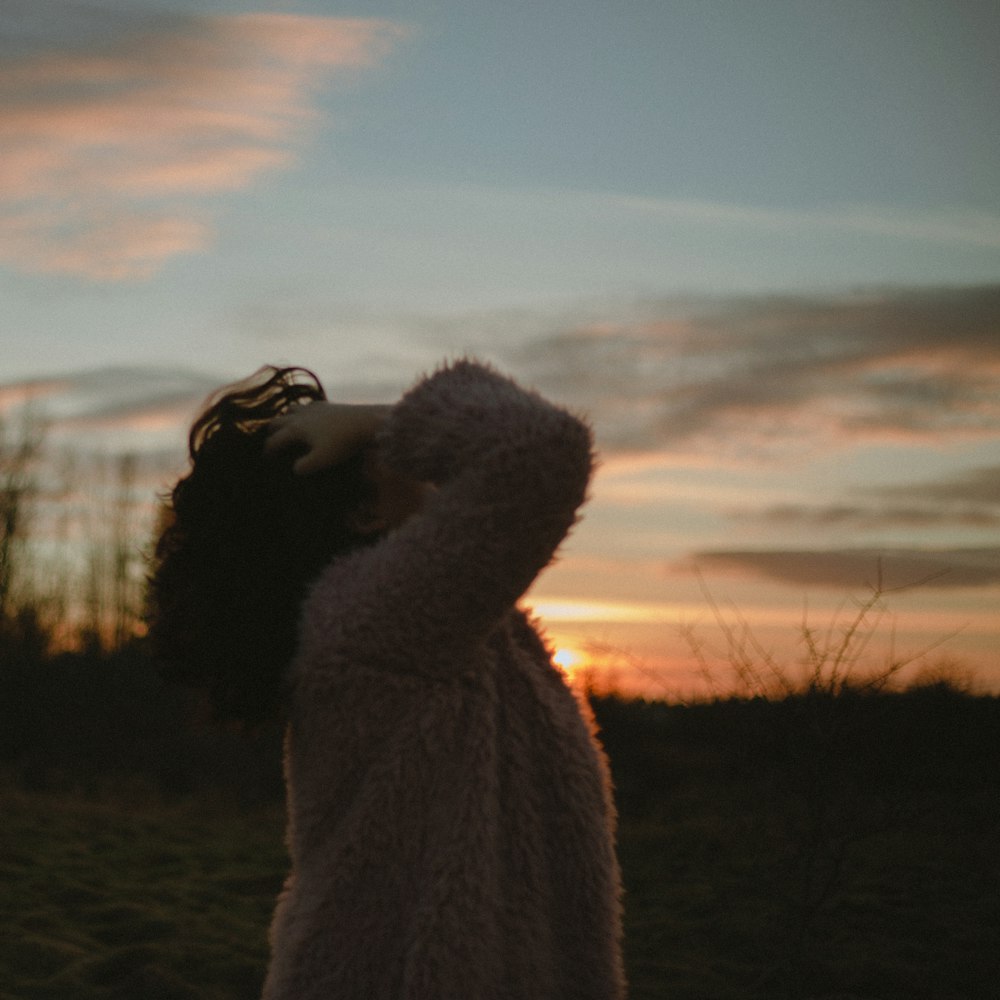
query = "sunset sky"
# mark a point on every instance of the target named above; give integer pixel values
(757, 242)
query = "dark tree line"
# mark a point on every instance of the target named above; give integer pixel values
(73, 528)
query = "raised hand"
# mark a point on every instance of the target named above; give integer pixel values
(326, 433)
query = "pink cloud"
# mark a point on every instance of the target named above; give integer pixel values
(20, 394)
(107, 246)
(106, 148)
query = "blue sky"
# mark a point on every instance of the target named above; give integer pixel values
(758, 242)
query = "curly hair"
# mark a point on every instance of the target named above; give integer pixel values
(240, 539)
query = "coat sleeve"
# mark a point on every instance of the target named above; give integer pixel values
(511, 469)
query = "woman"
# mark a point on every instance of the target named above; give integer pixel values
(450, 819)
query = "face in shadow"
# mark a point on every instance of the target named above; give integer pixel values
(397, 498)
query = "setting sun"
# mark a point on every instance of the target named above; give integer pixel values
(568, 660)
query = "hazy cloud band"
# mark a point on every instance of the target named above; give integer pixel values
(736, 377)
(851, 569)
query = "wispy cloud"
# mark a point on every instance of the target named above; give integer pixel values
(980, 486)
(136, 401)
(852, 569)
(939, 226)
(875, 518)
(969, 500)
(735, 377)
(113, 138)
(727, 381)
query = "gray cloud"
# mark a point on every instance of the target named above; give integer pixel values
(967, 500)
(857, 568)
(976, 486)
(740, 374)
(108, 399)
(877, 518)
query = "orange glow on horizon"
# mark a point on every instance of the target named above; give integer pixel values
(569, 660)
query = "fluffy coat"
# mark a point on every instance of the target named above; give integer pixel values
(450, 816)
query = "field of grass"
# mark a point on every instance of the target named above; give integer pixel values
(768, 851)
(131, 899)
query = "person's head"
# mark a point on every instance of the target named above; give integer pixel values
(241, 538)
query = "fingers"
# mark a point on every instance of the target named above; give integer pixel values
(281, 435)
(308, 463)
(299, 433)
(324, 433)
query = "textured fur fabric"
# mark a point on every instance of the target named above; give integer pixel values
(451, 826)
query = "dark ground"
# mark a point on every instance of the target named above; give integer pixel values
(816, 847)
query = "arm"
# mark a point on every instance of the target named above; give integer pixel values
(511, 471)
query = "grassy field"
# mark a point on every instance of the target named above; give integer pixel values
(757, 864)
(130, 899)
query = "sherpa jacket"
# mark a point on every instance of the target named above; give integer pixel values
(450, 815)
